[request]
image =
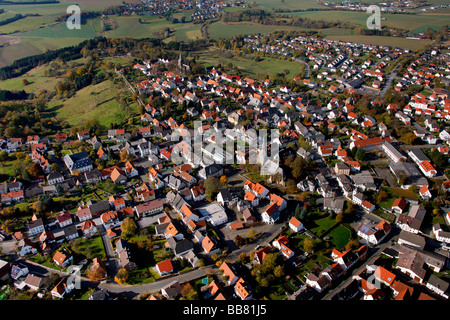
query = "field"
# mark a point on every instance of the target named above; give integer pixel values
(415, 23)
(226, 30)
(245, 63)
(93, 102)
(384, 41)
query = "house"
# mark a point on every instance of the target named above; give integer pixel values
(88, 228)
(62, 288)
(34, 282)
(439, 286)
(412, 222)
(225, 198)
(399, 205)
(118, 176)
(425, 193)
(367, 206)
(70, 232)
(212, 170)
(19, 270)
(242, 289)
(319, 283)
(26, 246)
(36, 226)
(124, 253)
(149, 208)
(374, 235)
(165, 267)
(261, 254)
(64, 219)
(295, 224)
(83, 135)
(83, 214)
(62, 258)
(78, 162)
(249, 218)
(229, 273)
(172, 290)
(110, 219)
(55, 177)
(281, 243)
(209, 246)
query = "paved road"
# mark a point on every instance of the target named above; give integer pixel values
(134, 290)
(349, 276)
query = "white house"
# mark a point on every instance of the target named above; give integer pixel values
(295, 224)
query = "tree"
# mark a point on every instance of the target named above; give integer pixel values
(212, 186)
(188, 292)
(55, 167)
(223, 180)
(121, 276)
(278, 272)
(297, 211)
(96, 274)
(382, 194)
(35, 170)
(308, 245)
(3, 155)
(360, 154)
(25, 82)
(351, 245)
(128, 227)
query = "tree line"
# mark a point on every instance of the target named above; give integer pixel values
(23, 65)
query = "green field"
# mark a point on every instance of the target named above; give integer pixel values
(225, 30)
(93, 102)
(402, 21)
(245, 64)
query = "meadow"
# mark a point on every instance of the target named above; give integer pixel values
(92, 102)
(247, 64)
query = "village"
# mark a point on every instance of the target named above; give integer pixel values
(356, 208)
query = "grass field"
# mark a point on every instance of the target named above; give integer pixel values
(245, 63)
(93, 102)
(226, 30)
(413, 23)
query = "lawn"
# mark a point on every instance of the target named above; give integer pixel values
(91, 248)
(339, 237)
(322, 224)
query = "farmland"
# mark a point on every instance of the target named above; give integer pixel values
(41, 32)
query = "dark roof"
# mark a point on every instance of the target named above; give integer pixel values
(183, 245)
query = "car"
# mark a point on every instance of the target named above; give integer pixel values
(136, 185)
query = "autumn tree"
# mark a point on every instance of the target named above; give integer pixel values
(96, 274)
(121, 276)
(308, 245)
(188, 292)
(128, 227)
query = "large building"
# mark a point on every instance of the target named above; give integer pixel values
(78, 162)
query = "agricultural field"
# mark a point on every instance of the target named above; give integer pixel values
(402, 21)
(225, 30)
(411, 44)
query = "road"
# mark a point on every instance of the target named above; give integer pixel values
(306, 66)
(133, 290)
(349, 276)
(388, 84)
